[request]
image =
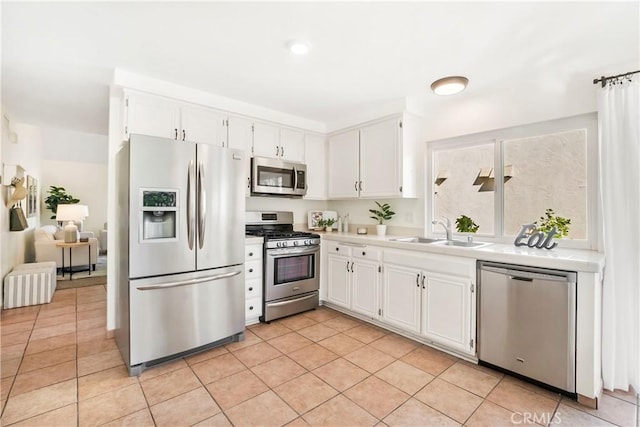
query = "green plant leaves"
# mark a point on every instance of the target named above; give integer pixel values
(464, 224)
(58, 196)
(551, 220)
(383, 213)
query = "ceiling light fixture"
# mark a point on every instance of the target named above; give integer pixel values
(299, 47)
(449, 85)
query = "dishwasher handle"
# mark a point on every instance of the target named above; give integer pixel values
(526, 276)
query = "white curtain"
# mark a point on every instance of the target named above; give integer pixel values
(619, 146)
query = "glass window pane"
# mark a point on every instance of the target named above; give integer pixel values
(464, 185)
(547, 171)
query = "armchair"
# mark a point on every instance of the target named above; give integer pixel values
(46, 249)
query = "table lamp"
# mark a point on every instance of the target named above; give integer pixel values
(71, 213)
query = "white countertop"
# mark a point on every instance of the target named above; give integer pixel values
(557, 258)
(253, 240)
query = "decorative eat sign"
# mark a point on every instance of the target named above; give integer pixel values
(536, 239)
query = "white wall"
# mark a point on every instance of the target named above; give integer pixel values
(76, 161)
(299, 207)
(17, 246)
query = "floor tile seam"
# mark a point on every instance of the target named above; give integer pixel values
(597, 414)
(513, 411)
(200, 384)
(467, 390)
(431, 407)
(636, 403)
(125, 415)
(409, 397)
(43, 413)
(54, 383)
(18, 368)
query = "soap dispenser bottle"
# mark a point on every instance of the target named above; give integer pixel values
(345, 223)
(339, 223)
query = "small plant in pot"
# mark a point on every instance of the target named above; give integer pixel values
(382, 214)
(327, 224)
(465, 224)
(550, 220)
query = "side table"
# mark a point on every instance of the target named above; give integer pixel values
(63, 246)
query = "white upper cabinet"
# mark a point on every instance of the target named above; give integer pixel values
(266, 140)
(203, 125)
(380, 159)
(157, 116)
(151, 115)
(315, 152)
(276, 142)
(240, 136)
(292, 145)
(343, 174)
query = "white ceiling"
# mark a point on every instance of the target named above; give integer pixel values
(58, 58)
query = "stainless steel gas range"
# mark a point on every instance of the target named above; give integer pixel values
(291, 279)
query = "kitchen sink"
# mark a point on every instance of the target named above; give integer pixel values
(427, 240)
(416, 239)
(461, 243)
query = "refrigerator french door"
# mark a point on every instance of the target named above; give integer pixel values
(182, 279)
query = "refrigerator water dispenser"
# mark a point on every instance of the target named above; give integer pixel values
(159, 214)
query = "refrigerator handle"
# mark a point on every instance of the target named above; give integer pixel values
(190, 205)
(202, 206)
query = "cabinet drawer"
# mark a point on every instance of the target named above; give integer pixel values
(338, 248)
(252, 252)
(253, 307)
(253, 270)
(253, 289)
(366, 252)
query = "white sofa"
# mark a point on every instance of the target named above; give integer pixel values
(102, 235)
(46, 249)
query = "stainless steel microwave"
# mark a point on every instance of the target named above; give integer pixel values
(277, 177)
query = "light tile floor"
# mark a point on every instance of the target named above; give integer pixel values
(317, 368)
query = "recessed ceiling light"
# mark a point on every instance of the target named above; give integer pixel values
(299, 47)
(449, 85)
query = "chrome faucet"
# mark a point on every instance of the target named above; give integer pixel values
(446, 223)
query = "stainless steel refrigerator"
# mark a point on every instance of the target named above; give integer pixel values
(181, 249)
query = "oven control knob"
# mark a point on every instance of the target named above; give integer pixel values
(296, 243)
(307, 242)
(277, 244)
(284, 244)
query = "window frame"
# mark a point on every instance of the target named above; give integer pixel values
(587, 121)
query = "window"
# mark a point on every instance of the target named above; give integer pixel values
(506, 178)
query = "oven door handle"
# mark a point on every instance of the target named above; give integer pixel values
(278, 304)
(291, 251)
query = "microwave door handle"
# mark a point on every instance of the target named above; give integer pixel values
(202, 206)
(190, 204)
(295, 178)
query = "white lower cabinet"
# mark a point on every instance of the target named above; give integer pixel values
(427, 295)
(446, 302)
(354, 277)
(401, 297)
(253, 283)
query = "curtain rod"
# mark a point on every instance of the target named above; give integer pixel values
(604, 79)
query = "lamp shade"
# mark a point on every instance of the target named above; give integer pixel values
(72, 212)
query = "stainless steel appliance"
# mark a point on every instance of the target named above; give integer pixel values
(527, 322)
(291, 280)
(181, 249)
(276, 177)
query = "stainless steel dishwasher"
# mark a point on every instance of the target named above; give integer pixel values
(527, 322)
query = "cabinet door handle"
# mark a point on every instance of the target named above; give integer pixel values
(251, 289)
(277, 151)
(352, 266)
(250, 253)
(251, 270)
(248, 182)
(184, 135)
(355, 186)
(364, 253)
(281, 151)
(360, 185)
(250, 307)
(418, 280)
(347, 266)
(337, 249)
(176, 135)
(422, 281)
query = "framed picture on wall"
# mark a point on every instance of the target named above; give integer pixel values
(32, 196)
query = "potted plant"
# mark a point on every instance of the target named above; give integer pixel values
(58, 196)
(382, 214)
(550, 220)
(464, 224)
(328, 224)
